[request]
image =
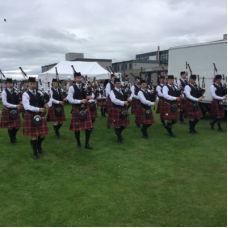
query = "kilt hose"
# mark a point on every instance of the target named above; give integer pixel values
(190, 113)
(114, 117)
(108, 105)
(167, 113)
(141, 116)
(30, 129)
(7, 122)
(101, 102)
(93, 113)
(215, 111)
(181, 105)
(51, 114)
(134, 106)
(76, 123)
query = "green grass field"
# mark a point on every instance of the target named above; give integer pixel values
(162, 181)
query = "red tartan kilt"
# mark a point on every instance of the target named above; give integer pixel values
(21, 110)
(160, 105)
(190, 113)
(101, 102)
(52, 117)
(30, 129)
(77, 124)
(180, 104)
(134, 106)
(108, 105)
(215, 111)
(7, 122)
(114, 117)
(141, 117)
(167, 114)
(93, 113)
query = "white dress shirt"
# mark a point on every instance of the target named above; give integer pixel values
(71, 95)
(213, 89)
(4, 100)
(68, 85)
(114, 99)
(51, 93)
(187, 90)
(108, 88)
(91, 100)
(133, 92)
(165, 91)
(101, 88)
(26, 103)
(142, 98)
(159, 90)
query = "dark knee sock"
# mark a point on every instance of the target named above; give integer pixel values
(213, 122)
(11, 135)
(102, 112)
(173, 122)
(56, 129)
(77, 136)
(15, 132)
(60, 125)
(163, 121)
(118, 132)
(39, 142)
(191, 125)
(181, 116)
(195, 122)
(169, 127)
(34, 145)
(218, 122)
(87, 134)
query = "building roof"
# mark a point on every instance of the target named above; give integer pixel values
(92, 60)
(139, 61)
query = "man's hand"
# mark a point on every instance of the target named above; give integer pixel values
(65, 99)
(18, 106)
(128, 99)
(46, 106)
(181, 96)
(224, 98)
(178, 98)
(89, 97)
(61, 102)
(42, 110)
(84, 101)
(20, 102)
(200, 100)
(156, 100)
(98, 98)
(126, 102)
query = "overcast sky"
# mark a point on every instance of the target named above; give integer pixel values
(40, 32)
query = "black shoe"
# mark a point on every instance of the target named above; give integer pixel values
(220, 130)
(164, 125)
(15, 140)
(91, 131)
(58, 137)
(79, 146)
(108, 126)
(35, 156)
(192, 132)
(40, 150)
(182, 122)
(12, 143)
(212, 125)
(87, 146)
(172, 135)
(104, 115)
(120, 141)
(138, 125)
(145, 137)
(195, 131)
(121, 137)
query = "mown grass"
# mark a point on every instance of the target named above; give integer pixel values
(162, 181)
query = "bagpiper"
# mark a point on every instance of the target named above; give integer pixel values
(102, 99)
(125, 85)
(81, 117)
(182, 82)
(219, 93)
(118, 114)
(109, 87)
(135, 102)
(10, 114)
(170, 111)
(35, 104)
(161, 98)
(144, 114)
(192, 108)
(56, 112)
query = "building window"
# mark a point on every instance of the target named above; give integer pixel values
(130, 66)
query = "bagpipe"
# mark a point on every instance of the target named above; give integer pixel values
(200, 91)
(224, 83)
(63, 93)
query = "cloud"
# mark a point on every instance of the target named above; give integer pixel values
(40, 32)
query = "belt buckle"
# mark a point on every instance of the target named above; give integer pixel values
(82, 106)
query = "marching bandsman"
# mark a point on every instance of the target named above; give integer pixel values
(34, 116)
(118, 114)
(144, 114)
(56, 112)
(24, 87)
(170, 111)
(192, 108)
(135, 102)
(109, 87)
(161, 98)
(219, 94)
(10, 114)
(81, 117)
(182, 82)
(126, 88)
(92, 104)
(102, 99)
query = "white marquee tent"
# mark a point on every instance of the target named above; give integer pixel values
(91, 69)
